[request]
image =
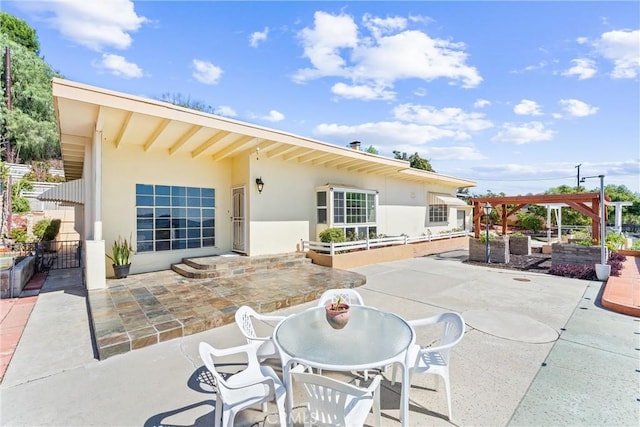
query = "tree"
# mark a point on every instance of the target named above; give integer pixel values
(19, 32)
(372, 150)
(415, 161)
(186, 102)
(30, 125)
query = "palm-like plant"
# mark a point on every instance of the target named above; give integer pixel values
(122, 251)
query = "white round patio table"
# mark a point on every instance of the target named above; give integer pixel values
(371, 339)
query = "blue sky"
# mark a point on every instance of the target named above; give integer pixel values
(512, 94)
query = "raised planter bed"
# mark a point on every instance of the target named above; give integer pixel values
(520, 245)
(385, 254)
(499, 250)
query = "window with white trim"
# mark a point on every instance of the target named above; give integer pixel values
(353, 210)
(438, 213)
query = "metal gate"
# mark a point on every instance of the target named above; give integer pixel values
(58, 254)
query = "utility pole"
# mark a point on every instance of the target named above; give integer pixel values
(578, 167)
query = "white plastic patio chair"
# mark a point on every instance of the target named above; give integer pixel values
(251, 386)
(335, 403)
(350, 296)
(435, 359)
(245, 318)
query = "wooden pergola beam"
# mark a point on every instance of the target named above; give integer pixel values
(577, 201)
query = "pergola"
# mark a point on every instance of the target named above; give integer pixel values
(586, 203)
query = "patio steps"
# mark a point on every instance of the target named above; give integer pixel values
(221, 266)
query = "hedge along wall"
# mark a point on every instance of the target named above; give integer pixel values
(574, 254)
(499, 250)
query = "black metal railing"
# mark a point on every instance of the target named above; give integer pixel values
(57, 254)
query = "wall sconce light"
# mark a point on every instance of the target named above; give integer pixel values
(260, 184)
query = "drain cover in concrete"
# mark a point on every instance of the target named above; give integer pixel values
(510, 326)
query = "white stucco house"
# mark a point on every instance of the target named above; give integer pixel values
(183, 183)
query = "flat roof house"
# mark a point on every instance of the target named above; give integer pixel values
(183, 183)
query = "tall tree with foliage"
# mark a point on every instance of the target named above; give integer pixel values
(415, 161)
(372, 150)
(30, 125)
(19, 32)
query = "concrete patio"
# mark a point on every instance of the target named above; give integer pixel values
(539, 350)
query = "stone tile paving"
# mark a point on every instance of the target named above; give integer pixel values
(146, 309)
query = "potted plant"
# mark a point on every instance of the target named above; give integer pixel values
(337, 313)
(122, 251)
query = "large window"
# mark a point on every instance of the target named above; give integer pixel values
(353, 210)
(173, 217)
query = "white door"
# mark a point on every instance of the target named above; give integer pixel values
(237, 219)
(461, 222)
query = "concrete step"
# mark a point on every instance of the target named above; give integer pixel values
(233, 266)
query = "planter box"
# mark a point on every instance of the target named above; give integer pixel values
(12, 281)
(520, 245)
(575, 254)
(391, 253)
(499, 249)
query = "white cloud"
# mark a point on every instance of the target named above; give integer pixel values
(225, 110)
(258, 36)
(577, 108)
(447, 118)
(273, 116)
(458, 153)
(523, 133)
(481, 103)
(622, 47)
(337, 47)
(119, 66)
(387, 134)
(205, 72)
(93, 24)
(527, 107)
(583, 68)
(362, 92)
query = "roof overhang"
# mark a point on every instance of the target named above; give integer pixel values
(127, 120)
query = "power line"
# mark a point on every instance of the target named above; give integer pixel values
(522, 180)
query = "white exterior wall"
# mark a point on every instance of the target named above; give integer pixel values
(285, 212)
(128, 166)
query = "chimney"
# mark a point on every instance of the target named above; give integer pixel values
(355, 145)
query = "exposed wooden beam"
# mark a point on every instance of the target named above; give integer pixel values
(280, 150)
(295, 153)
(156, 133)
(238, 145)
(209, 143)
(184, 138)
(314, 155)
(123, 128)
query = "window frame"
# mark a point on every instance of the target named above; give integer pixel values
(174, 217)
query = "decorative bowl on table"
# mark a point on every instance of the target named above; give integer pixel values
(337, 314)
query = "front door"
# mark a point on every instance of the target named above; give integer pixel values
(239, 241)
(461, 222)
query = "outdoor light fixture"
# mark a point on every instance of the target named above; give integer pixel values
(260, 184)
(487, 211)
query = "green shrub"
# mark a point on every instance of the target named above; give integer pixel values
(518, 234)
(492, 236)
(18, 235)
(530, 221)
(46, 229)
(615, 241)
(636, 245)
(332, 235)
(40, 227)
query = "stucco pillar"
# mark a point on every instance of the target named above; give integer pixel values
(95, 269)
